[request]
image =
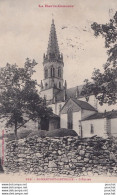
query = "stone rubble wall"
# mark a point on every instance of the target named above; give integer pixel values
(62, 156)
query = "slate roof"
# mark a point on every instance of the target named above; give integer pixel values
(70, 93)
(109, 115)
(84, 105)
(53, 43)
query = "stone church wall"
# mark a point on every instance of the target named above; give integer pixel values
(63, 121)
(69, 156)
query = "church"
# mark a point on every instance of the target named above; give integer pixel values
(70, 108)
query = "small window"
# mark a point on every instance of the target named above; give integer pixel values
(59, 85)
(59, 72)
(92, 129)
(46, 85)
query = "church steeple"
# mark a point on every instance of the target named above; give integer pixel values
(53, 67)
(53, 53)
(53, 43)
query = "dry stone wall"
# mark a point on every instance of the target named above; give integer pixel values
(62, 156)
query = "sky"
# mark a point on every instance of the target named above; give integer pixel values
(25, 28)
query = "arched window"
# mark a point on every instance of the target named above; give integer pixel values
(59, 72)
(60, 85)
(52, 72)
(70, 119)
(46, 73)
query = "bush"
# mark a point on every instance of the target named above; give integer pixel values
(54, 133)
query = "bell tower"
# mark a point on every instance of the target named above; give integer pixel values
(53, 67)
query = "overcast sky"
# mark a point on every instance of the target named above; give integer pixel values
(25, 28)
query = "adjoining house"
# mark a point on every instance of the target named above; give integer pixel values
(100, 124)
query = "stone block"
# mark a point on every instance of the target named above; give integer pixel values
(64, 159)
(79, 158)
(60, 152)
(52, 164)
(83, 169)
(39, 155)
(87, 155)
(79, 147)
(21, 155)
(66, 167)
(86, 160)
(74, 160)
(79, 164)
(61, 163)
(82, 152)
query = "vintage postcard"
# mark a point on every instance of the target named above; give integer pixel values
(58, 91)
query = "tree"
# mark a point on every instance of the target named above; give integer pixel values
(19, 99)
(87, 89)
(104, 85)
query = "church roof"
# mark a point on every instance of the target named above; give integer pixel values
(69, 93)
(82, 104)
(74, 91)
(53, 47)
(110, 115)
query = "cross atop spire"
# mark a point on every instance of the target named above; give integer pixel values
(52, 18)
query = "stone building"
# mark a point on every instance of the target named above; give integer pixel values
(86, 118)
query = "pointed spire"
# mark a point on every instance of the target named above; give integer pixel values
(53, 53)
(77, 92)
(41, 85)
(53, 49)
(52, 21)
(65, 84)
(65, 91)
